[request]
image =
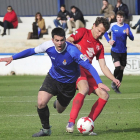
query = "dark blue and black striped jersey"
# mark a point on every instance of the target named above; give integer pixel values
(119, 35)
(65, 64)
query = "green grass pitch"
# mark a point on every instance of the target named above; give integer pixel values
(120, 119)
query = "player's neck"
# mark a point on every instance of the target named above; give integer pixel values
(92, 33)
(120, 24)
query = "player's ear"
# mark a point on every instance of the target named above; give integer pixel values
(52, 39)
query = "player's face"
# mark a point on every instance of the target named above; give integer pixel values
(9, 9)
(62, 9)
(120, 19)
(59, 42)
(38, 16)
(105, 3)
(98, 31)
(73, 10)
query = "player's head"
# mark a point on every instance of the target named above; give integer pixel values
(100, 26)
(73, 9)
(119, 1)
(105, 2)
(63, 8)
(58, 38)
(9, 8)
(38, 16)
(120, 16)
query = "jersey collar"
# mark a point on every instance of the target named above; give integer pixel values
(120, 25)
(63, 49)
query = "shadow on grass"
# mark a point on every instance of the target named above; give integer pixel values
(136, 130)
(109, 131)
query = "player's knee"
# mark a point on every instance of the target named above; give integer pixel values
(84, 90)
(117, 69)
(104, 95)
(41, 104)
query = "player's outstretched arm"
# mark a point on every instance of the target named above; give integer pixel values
(108, 73)
(8, 60)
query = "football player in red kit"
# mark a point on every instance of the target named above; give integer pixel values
(87, 42)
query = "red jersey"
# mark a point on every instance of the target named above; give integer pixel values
(90, 47)
(11, 17)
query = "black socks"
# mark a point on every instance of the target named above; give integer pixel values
(44, 117)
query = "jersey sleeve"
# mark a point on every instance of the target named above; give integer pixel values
(84, 62)
(43, 47)
(28, 52)
(130, 33)
(107, 32)
(100, 54)
(78, 34)
(24, 54)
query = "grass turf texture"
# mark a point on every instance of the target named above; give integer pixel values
(120, 118)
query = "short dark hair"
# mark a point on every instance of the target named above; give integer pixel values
(72, 7)
(105, 0)
(10, 7)
(58, 31)
(120, 13)
(38, 13)
(104, 21)
(63, 5)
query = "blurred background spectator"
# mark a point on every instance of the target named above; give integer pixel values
(61, 20)
(120, 6)
(108, 11)
(76, 19)
(39, 27)
(10, 20)
(135, 26)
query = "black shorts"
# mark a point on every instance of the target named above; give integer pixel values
(121, 57)
(64, 91)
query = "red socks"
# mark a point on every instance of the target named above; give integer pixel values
(76, 106)
(97, 108)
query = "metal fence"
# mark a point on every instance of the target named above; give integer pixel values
(50, 7)
(92, 7)
(29, 7)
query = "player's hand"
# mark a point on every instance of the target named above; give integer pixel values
(7, 59)
(104, 6)
(72, 19)
(78, 46)
(111, 42)
(103, 87)
(118, 4)
(58, 18)
(117, 82)
(127, 32)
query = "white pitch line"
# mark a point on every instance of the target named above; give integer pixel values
(34, 115)
(54, 100)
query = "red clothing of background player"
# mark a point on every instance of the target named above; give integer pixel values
(11, 17)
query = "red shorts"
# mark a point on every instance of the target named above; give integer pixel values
(85, 75)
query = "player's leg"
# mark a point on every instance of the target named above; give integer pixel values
(77, 103)
(66, 92)
(46, 92)
(123, 62)
(43, 112)
(99, 104)
(79, 99)
(70, 25)
(56, 23)
(116, 57)
(78, 24)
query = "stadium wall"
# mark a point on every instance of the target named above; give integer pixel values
(40, 65)
(51, 7)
